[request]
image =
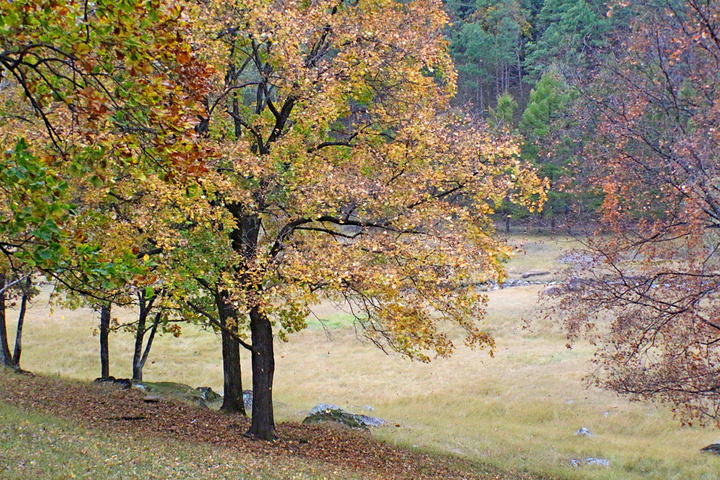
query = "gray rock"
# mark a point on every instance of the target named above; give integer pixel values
(597, 461)
(371, 421)
(323, 407)
(713, 448)
(332, 413)
(207, 394)
(535, 273)
(248, 400)
(577, 462)
(178, 391)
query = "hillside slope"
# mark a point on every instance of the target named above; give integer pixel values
(51, 428)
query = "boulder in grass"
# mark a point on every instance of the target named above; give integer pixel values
(713, 448)
(199, 397)
(332, 413)
(577, 462)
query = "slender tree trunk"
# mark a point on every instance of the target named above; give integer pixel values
(5, 355)
(232, 373)
(263, 368)
(104, 339)
(141, 363)
(139, 340)
(137, 352)
(20, 324)
(145, 305)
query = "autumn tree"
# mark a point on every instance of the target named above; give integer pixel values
(647, 290)
(340, 177)
(97, 100)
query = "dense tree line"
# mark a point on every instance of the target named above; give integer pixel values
(525, 62)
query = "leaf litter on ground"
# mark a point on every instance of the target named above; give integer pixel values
(119, 412)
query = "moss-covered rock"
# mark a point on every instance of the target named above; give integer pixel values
(333, 413)
(201, 396)
(337, 416)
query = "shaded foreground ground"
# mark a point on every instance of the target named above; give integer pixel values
(126, 416)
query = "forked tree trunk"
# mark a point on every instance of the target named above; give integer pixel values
(263, 369)
(104, 339)
(232, 373)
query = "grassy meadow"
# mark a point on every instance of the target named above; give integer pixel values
(518, 410)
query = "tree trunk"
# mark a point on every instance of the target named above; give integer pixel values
(232, 374)
(145, 305)
(104, 338)
(263, 368)
(137, 352)
(507, 223)
(138, 366)
(5, 355)
(20, 324)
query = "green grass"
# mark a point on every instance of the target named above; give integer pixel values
(42, 446)
(516, 411)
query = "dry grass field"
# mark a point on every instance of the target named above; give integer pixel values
(518, 410)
